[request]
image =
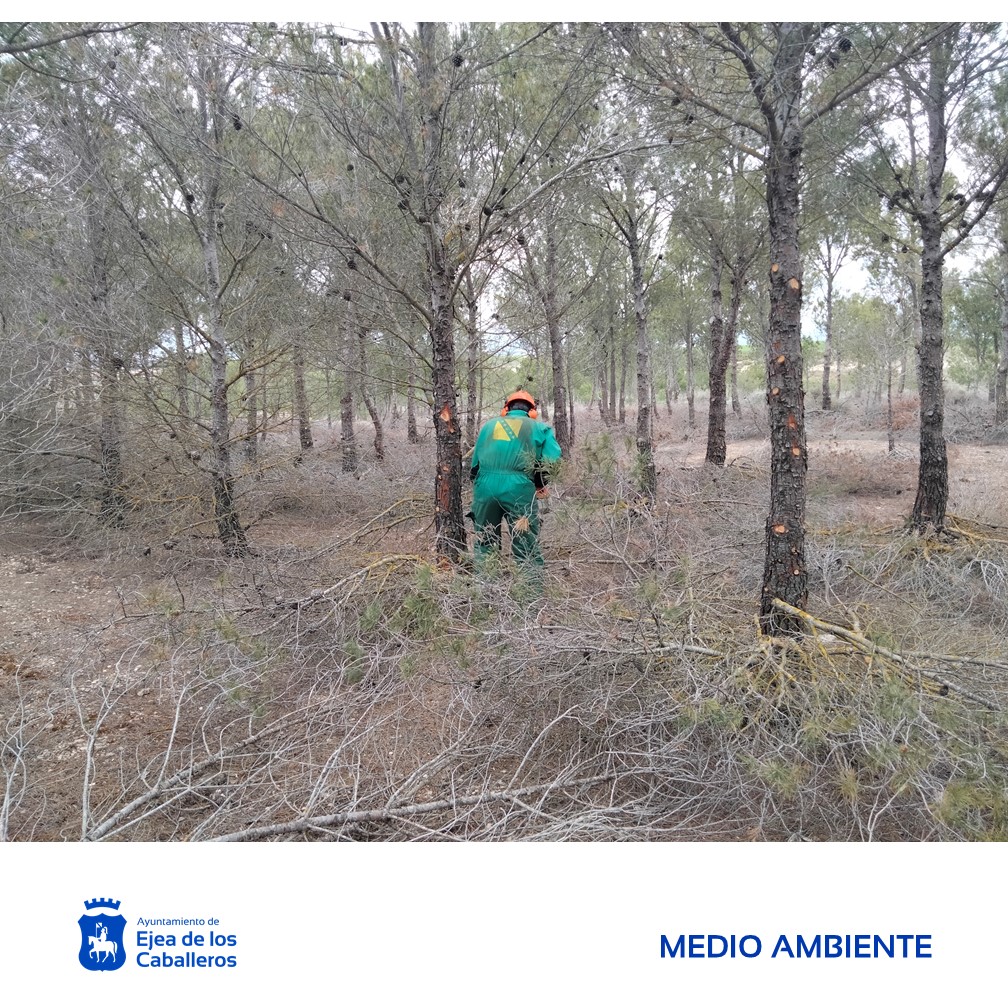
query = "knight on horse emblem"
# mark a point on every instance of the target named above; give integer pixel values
(102, 935)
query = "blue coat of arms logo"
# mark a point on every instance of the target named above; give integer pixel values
(102, 930)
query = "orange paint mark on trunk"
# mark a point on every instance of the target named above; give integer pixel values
(780, 529)
(791, 422)
(794, 284)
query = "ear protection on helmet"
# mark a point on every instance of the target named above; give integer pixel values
(521, 396)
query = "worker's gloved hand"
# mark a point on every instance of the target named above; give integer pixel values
(542, 493)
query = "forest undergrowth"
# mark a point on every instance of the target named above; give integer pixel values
(339, 683)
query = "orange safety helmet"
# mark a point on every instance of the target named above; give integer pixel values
(521, 396)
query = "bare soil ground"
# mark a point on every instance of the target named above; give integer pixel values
(172, 692)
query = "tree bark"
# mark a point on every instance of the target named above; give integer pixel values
(784, 573)
(690, 380)
(472, 360)
(645, 441)
(624, 367)
(828, 350)
(412, 436)
(719, 353)
(546, 288)
(604, 377)
(229, 527)
(1001, 381)
(569, 371)
(379, 433)
(328, 392)
(182, 376)
(736, 404)
(89, 394)
(932, 479)
(349, 458)
(612, 369)
(448, 519)
(301, 397)
(889, 412)
(113, 496)
(426, 148)
(251, 411)
(112, 499)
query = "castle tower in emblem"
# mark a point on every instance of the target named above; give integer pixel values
(102, 930)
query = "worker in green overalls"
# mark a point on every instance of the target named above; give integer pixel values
(514, 458)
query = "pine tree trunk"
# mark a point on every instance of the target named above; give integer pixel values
(449, 524)
(449, 521)
(412, 436)
(716, 441)
(548, 294)
(611, 408)
(604, 378)
(569, 368)
(328, 393)
(88, 391)
(1001, 381)
(645, 442)
(889, 412)
(113, 496)
(1001, 378)
(730, 334)
(828, 351)
(379, 436)
(182, 376)
(624, 367)
(209, 226)
(736, 404)
(301, 397)
(349, 458)
(932, 480)
(690, 380)
(112, 501)
(784, 573)
(229, 527)
(472, 360)
(428, 151)
(251, 416)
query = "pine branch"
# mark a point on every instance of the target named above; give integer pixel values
(401, 811)
(870, 648)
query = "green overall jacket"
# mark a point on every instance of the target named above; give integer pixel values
(514, 456)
